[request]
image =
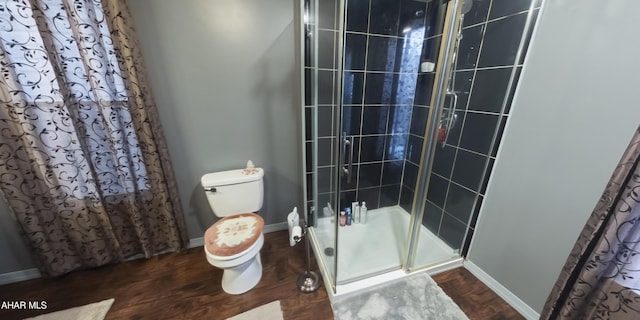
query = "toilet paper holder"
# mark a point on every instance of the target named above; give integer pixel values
(308, 281)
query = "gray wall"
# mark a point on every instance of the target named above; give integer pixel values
(573, 115)
(224, 77)
(14, 254)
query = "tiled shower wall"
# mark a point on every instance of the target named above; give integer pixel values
(386, 104)
(384, 42)
(383, 46)
(492, 33)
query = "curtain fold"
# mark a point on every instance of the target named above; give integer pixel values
(84, 165)
(601, 277)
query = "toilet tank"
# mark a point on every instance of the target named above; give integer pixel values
(234, 191)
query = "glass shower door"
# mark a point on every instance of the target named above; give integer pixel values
(388, 71)
(376, 74)
(321, 31)
(371, 69)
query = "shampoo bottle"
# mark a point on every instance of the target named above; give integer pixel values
(363, 213)
(343, 219)
(355, 211)
(349, 216)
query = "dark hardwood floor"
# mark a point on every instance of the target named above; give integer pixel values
(184, 286)
(472, 296)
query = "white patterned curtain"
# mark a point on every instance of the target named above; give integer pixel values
(84, 165)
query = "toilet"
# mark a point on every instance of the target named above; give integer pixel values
(233, 243)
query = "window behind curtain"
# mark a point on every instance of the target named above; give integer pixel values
(66, 79)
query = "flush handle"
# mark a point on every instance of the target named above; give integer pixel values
(212, 189)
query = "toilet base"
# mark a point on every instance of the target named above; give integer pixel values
(240, 279)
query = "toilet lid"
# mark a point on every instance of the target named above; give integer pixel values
(233, 234)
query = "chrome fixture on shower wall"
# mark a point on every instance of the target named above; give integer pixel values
(449, 117)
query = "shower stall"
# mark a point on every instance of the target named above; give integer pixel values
(405, 102)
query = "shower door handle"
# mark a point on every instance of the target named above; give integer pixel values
(455, 99)
(452, 117)
(347, 167)
(452, 111)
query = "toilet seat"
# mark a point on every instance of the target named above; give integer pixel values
(232, 236)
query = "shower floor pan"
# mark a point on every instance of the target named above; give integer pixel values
(376, 247)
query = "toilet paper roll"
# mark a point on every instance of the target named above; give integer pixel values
(293, 220)
(294, 234)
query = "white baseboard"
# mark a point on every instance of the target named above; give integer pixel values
(502, 291)
(275, 227)
(199, 242)
(18, 276)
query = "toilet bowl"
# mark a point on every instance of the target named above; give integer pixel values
(233, 243)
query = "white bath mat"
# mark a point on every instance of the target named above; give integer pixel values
(415, 297)
(269, 311)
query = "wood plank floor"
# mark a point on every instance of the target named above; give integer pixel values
(184, 286)
(472, 296)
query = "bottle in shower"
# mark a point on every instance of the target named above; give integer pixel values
(355, 212)
(363, 213)
(342, 219)
(349, 216)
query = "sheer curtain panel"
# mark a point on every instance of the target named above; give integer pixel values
(84, 165)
